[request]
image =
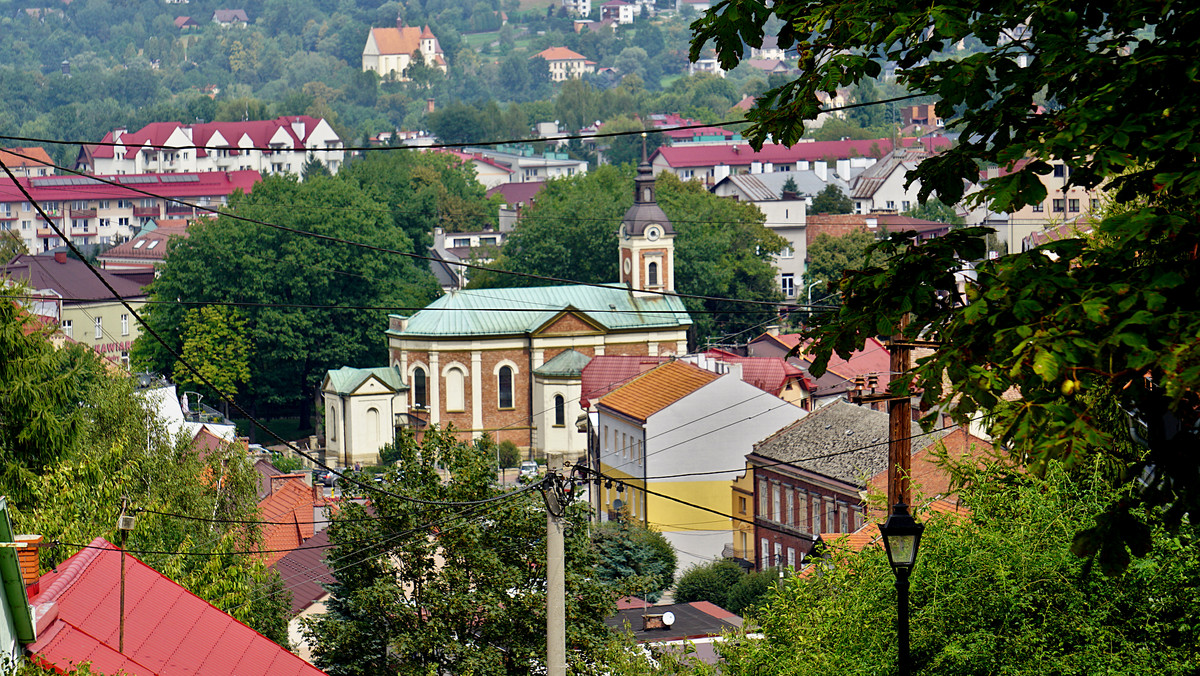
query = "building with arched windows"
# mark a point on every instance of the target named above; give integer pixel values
(509, 362)
(363, 407)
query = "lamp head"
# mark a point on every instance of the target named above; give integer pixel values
(901, 538)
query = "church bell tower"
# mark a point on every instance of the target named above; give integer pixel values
(647, 239)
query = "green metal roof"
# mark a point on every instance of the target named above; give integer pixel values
(500, 312)
(347, 379)
(568, 363)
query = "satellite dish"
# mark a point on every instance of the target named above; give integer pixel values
(618, 504)
(668, 618)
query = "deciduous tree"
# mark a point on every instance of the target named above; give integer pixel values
(302, 293)
(831, 200)
(451, 589)
(1116, 314)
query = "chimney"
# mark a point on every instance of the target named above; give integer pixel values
(773, 330)
(60, 257)
(29, 558)
(821, 170)
(429, 105)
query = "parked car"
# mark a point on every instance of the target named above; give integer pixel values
(528, 471)
(323, 477)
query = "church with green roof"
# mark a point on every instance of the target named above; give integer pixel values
(508, 362)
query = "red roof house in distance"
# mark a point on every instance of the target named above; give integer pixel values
(565, 64)
(838, 380)
(33, 161)
(168, 630)
(278, 146)
(289, 507)
(146, 250)
(711, 163)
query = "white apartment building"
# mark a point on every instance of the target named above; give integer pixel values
(279, 146)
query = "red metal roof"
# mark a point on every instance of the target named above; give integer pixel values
(739, 154)
(305, 573)
(768, 374)
(606, 372)
(168, 630)
(179, 186)
(71, 278)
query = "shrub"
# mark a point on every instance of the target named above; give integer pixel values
(752, 591)
(710, 582)
(510, 455)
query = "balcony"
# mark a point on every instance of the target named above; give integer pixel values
(181, 210)
(8, 215)
(83, 213)
(146, 212)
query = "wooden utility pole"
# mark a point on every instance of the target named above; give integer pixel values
(899, 414)
(899, 427)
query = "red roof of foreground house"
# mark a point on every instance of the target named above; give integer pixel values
(168, 630)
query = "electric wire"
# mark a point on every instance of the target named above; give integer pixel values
(231, 213)
(223, 396)
(369, 148)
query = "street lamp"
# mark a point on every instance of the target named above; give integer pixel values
(901, 538)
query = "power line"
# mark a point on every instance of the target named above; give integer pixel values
(370, 247)
(563, 137)
(221, 393)
(393, 308)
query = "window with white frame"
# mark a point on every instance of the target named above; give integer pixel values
(68, 328)
(787, 252)
(766, 555)
(124, 325)
(776, 507)
(762, 498)
(99, 328)
(560, 411)
(788, 282)
(504, 386)
(420, 388)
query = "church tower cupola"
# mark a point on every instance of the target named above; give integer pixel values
(647, 239)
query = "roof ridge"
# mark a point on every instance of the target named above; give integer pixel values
(79, 564)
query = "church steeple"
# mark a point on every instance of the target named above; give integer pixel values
(647, 253)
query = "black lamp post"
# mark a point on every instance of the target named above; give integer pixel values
(901, 538)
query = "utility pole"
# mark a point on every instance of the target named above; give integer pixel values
(125, 523)
(899, 425)
(557, 492)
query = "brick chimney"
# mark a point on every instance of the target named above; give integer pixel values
(30, 560)
(429, 105)
(60, 257)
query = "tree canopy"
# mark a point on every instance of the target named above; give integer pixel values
(829, 257)
(451, 589)
(88, 439)
(996, 589)
(1101, 90)
(633, 559)
(291, 283)
(831, 200)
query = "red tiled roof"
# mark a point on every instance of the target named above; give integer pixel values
(657, 389)
(837, 225)
(304, 571)
(560, 54)
(168, 630)
(473, 157)
(290, 509)
(518, 193)
(768, 374)
(26, 157)
(150, 245)
(606, 372)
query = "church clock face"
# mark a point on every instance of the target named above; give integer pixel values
(652, 233)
